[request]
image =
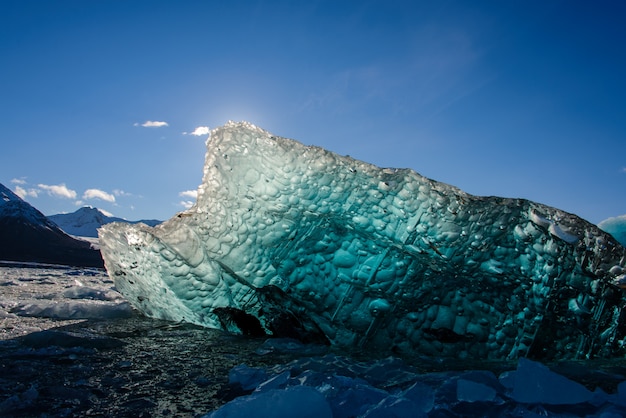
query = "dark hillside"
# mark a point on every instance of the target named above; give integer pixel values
(27, 235)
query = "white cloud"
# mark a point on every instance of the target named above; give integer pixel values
(18, 181)
(199, 131)
(152, 124)
(58, 190)
(186, 204)
(106, 212)
(98, 194)
(20, 192)
(189, 193)
(23, 193)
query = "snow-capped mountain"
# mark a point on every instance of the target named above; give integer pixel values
(86, 221)
(27, 235)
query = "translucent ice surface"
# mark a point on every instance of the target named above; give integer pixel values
(295, 241)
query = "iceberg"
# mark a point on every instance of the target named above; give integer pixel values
(295, 241)
(615, 226)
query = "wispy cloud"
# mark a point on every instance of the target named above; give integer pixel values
(152, 124)
(98, 194)
(58, 190)
(18, 181)
(189, 193)
(121, 193)
(199, 131)
(23, 193)
(439, 67)
(623, 170)
(186, 204)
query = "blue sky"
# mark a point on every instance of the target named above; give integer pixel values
(516, 99)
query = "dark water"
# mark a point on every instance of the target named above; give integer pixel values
(128, 367)
(140, 367)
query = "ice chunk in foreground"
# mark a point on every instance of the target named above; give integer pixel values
(469, 390)
(352, 389)
(535, 383)
(296, 241)
(302, 401)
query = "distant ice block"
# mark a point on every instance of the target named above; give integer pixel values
(295, 241)
(615, 226)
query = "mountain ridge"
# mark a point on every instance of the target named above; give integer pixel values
(85, 221)
(28, 235)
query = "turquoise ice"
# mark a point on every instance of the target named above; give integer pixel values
(293, 240)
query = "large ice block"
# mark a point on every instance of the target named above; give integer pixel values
(293, 240)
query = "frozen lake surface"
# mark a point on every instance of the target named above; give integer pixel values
(70, 345)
